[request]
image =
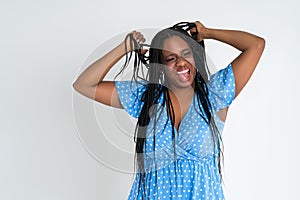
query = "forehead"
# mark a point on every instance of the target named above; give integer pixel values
(174, 44)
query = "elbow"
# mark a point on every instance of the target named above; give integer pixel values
(257, 44)
(76, 86)
(261, 43)
(79, 88)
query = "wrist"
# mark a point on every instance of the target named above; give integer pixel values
(207, 33)
(121, 48)
(125, 45)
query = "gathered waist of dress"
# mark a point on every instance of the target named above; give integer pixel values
(159, 163)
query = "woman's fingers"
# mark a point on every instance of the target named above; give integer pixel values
(193, 30)
(138, 36)
(200, 29)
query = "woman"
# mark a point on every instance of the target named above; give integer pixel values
(181, 108)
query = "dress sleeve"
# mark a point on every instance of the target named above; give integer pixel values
(130, 94)
(222, 88)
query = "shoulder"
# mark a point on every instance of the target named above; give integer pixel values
(130, 95)
(221, 87)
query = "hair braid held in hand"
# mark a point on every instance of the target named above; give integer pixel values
(155, 87)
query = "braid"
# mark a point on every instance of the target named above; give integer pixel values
(155, 89)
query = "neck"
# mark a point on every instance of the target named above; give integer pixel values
(183, 94)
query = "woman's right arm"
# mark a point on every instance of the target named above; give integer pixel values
(90, 82)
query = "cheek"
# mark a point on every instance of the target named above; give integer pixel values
(170, 72)
(193, 71)
(169, 69)
(191, 61)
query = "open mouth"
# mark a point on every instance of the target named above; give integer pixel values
(184, 75)
(183, 71)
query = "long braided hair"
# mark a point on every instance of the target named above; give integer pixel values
(156, 87)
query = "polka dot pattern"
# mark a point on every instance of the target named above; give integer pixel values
(222, 88)
(196, 175)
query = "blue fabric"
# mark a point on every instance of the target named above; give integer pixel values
(222, 88)
(197, 174)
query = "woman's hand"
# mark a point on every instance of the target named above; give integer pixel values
(201, 31)
(250, 45)
(139, 38)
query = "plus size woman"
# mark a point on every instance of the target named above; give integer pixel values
(179, 105)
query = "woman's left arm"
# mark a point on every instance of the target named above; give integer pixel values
(251, 47)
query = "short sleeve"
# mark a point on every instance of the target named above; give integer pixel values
(130, 93)
(221, 88)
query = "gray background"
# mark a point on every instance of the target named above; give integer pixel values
(44, 45)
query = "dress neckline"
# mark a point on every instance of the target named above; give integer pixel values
(185, 115)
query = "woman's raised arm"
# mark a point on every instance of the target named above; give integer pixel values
(90, 82)
(251, 47)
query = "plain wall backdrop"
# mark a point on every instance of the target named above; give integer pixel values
(45, 152)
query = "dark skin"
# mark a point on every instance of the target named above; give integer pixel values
(179, 58)
(90, 83)
(251, 47)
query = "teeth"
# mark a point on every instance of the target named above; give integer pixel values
(184, 71)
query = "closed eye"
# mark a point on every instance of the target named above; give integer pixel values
(187, 53)
(170, 59)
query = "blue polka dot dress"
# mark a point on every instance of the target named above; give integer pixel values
(196, 174)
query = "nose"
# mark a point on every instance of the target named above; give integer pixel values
(180, 62)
